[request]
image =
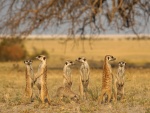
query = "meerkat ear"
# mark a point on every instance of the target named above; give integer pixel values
(66, 63)
(24, 61)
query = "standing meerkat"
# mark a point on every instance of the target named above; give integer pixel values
(106, 79)
(84, 77)
(67, 75)
(41, 79)
(120, 79)
(29, 74)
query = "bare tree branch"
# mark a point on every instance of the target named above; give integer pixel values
(26, 16)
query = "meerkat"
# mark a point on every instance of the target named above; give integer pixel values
(41, 79)
(84, 77)
(29, 74)
(120, 79)
(106, 79)
(67, 76)
(68, 93)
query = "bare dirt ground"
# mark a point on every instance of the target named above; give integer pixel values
(12, 84)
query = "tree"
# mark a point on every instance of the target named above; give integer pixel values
(26, 16)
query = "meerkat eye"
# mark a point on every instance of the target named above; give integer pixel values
(44, 58)
(79, 58)
(71, 62)
(84, 59)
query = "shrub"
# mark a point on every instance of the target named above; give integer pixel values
(12, 49)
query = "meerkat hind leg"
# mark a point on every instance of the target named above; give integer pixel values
(48, 100)
(100, 98)
(109, 93)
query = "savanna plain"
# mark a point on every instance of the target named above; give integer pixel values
(136, 53)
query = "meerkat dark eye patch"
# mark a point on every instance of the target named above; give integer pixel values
(44, 58)
(66, 63)
(84, 59)
(79, 58)
(39, 56)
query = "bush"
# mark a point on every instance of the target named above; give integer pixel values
(12, 49)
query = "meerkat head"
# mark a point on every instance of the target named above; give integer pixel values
(81, 59)
(75, 98)
(69, 63)
(120, 85)
(122, 64)
(28, 62)
(41, 58)
(85, 82)
(110, 58)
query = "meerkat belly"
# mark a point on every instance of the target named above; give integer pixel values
(106, 83)
(28, 88)
(43, 85)
(120, 90)
(28, 82)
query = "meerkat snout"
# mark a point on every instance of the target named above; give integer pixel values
(81, 59)
(28, 62)
(110, 58)
(41, 57)
(122, 64)
(69, 63)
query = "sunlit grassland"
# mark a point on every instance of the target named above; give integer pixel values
(137, 93)
(137, 85)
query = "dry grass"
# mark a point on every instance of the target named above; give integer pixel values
(137, 86)
(137, 93)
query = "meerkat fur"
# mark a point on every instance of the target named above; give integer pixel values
(67, 75)
(41, 79)
(29, 75)
(68, 93)
(106, 79)
(84, 77)
(120, 79)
